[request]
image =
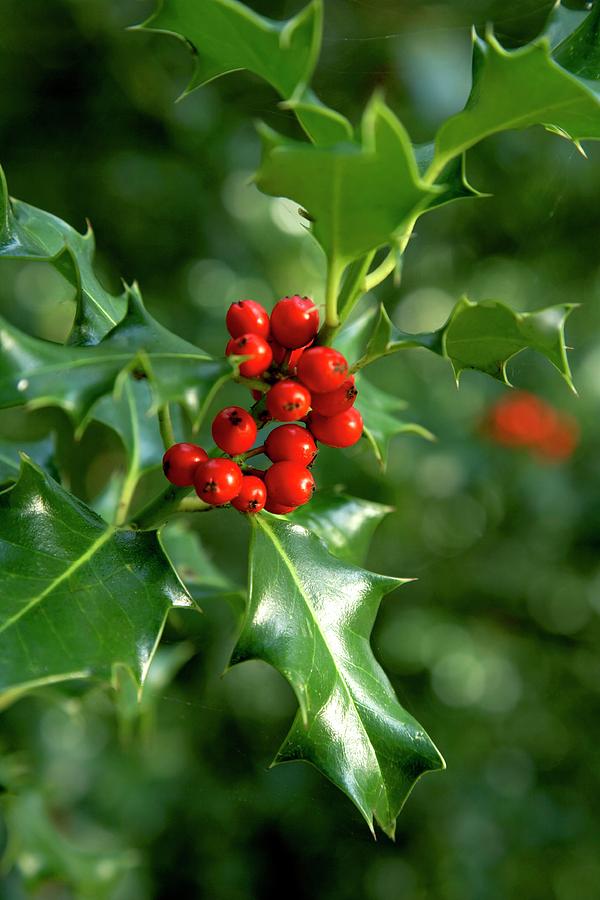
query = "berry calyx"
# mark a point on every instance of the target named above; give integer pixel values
(322, 369)
(278, 508)
(294, 321)
(258, 351)
(334, 402)
(252, 496)
(288, 401)
(217, 481)
(289, 483)
(180, 462)
(247, 317)
(234, 430)
(342, 430)
(292, 443)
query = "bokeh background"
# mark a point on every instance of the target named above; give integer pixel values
(495, 647)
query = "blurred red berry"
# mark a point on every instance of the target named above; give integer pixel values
(288, 401)
(294, 321)
(289, 483)
(342, 430)
(258, 351)
(247, 317)
(291, 442)
(252, 496)
(334, 402)
(322, 369)
(218, 481)
(234, 430)
(180, 462)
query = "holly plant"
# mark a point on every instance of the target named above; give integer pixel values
(86, 592)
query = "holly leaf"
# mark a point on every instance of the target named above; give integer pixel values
(227, 36)
(37, 373)
(381, 414)
(345, 524)
(524, 87)
(452, 181)
(483, 336)
(42, 452)
(310, 616)
(358, 198)
(78, 596)
(579, 49)
(30, 233)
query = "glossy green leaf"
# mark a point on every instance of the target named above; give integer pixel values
(520, 88)
(358, 198)
(483, 336)
(38, 373)
(579, 50)
(42, 452)
(30, 233)
(345, 524)
(310, 616)
(78, 597)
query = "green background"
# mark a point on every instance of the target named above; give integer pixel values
(493, 649)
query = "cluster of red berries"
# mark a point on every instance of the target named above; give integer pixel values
(300, 382)
(522, 420)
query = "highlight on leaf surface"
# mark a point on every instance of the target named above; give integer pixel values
(77, 596)
(310, 615)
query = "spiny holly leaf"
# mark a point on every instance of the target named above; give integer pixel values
(579, 50)
(42, 452)
(345, 524)
(30, 233)
(310, 616)
(519, 88)
(483, 336)
(381, 414)
(227, 36)
(357, 198)
(78, 596)
(452, 181)
(40, 373)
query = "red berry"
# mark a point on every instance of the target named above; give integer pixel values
(247, 317)
(278, 508)
(279, 354)
(322, 369)
(288, 401)
(334, 402)
(180, 462)
(342, 430)
(289, 483)
(234, 430)
(291, 442)
(253, 495)
(294, 321)
(218, 481)
(256, 395)
(256, 348)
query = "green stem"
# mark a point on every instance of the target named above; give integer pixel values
(127, 491)
(334, 272)
(256, 452)
(382, 271)
(166, 426)
(194, 504)
(255, 384)
(352, 290)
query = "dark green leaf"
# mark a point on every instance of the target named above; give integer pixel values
(345, 524)
(38, 373)
(30, 233)
(310, 616)
(483, 336)
(579, 51)
(78, 597)
(452, 181)
(42, 452)
(358, 198)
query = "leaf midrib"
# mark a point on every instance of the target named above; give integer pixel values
(70, 570)
(292, 570)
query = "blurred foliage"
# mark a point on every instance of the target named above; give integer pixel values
(494, 648)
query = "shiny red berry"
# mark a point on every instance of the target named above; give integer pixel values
(294, 321)
(258, 351)
(342, 430)
(180, 462)
(334, 402)
(322, 369)
(253, 495)
(278, 508)
(234, 430)
(291, 442)
(289, 483)
(218, 481)
(247, 317)
(256, 395)
(288, 401)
